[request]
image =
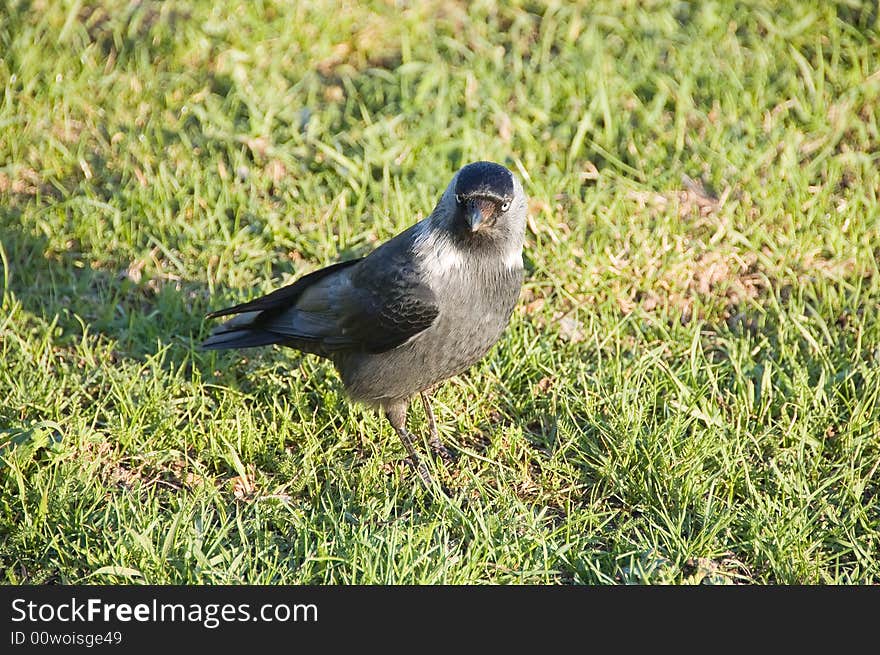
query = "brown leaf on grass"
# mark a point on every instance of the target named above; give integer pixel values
(275, 171)
(183, 474)
(543, 385)
(141, 178)
(334, 93)
(258, 145)
(702, 196)
(26, 181)
(725, 571)
(650, 301)
(68, 131)
(338, 55)
(243, 486)
(471, 92)
(533, 227)
(504, 126)
(137, 472)
(135, 269)
(123, 476)
(590, 172)
(626, 304)
(538, 206)
(535, 305)
(710, 269)
(570, 329)
(694, 198)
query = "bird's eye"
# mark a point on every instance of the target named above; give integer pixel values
(505, 205)
(459, 198)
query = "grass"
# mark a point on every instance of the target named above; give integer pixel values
(689, 390)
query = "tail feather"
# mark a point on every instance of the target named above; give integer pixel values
(240, 338)
(253, 326)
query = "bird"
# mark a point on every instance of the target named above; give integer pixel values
(422, 307)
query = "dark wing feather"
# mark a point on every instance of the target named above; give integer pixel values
(284, 297)
(373, 307)
(379, 306)
(393, 309)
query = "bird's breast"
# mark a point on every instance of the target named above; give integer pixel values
(474, 311)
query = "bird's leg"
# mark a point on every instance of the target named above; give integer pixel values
(414, 459)
(396, 415)
(435, 443)
(432, 424)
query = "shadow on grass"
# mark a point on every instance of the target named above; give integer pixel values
(140, 311)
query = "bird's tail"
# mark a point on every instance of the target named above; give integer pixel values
(253, 325)
(240, 332)
(243, 338)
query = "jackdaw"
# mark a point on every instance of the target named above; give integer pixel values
(417, 310)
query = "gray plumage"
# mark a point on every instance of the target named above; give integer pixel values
(422, 307)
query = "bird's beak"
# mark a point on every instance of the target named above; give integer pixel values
(476, 211)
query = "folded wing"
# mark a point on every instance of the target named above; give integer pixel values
(353, 305)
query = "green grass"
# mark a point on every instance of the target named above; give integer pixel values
(689, 390)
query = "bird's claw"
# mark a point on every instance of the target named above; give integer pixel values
(441, 451)
(419, 467)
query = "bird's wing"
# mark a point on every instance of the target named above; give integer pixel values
(388, 305)
(373, 306)
(286, 296)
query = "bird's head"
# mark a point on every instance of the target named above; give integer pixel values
(489, 202)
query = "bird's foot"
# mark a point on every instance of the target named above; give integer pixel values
(419, 467)
(441, 451)
(413, 460)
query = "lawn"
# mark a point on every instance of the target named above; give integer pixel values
(688, 392)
